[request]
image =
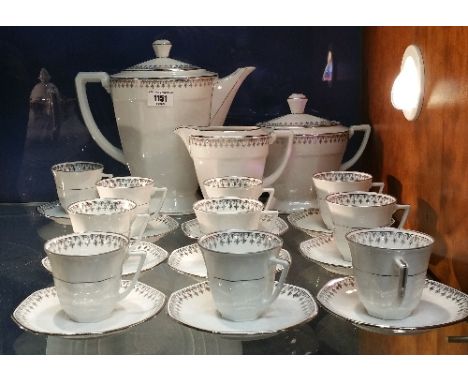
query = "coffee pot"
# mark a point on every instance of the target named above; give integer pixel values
(150, 100)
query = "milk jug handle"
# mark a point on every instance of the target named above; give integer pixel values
(270, 179)
(81, 80)
(365, 139)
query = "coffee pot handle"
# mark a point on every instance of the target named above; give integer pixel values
(279, 285)
(406, 210)
(127, 290)
(273, 177)
(354, 159)
(81, 80)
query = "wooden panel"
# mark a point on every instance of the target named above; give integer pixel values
(424, 163)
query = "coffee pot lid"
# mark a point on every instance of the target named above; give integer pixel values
(163, 66)
(297, 118)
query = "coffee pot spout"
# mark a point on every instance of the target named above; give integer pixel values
(224, 91)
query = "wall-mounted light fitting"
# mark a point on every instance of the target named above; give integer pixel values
(408, 87)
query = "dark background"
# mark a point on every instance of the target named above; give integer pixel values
(288, 59)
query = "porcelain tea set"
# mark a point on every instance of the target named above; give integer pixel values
(170, 113)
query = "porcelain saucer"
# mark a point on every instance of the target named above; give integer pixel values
(158, 227)
(55, 212)
(41, 313)
(193, 306)
(275, 225)
(189, 260)
(440, 305)
(309, 221)
(322, 250)
(155, 255)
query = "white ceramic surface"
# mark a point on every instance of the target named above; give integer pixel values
(109, 215)
(323, 251)
(219, 151)
(77, 175)
(339, 235)
(364, 209)
(275, 225)
(189, 260)
(361, 209)
(308, 221)
(87, 270)
(155, 255)
(150, 100)
(193, 306)
(70, 196)
(330, 182)
(142, 191)
(41, 313)
(318, 145)
(220, 214)
(239, 187)
(390, 267)
(440, 306)
(158, 227)
(87, 257)
(241, 270)
(55, 212)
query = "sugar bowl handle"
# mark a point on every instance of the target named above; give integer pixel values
(366, 129)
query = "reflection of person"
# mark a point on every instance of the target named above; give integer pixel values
(328, 72)
(55, 134)
(44, 110)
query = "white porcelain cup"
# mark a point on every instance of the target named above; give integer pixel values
(87, 272)
(238, 186)
(108, 215)
(360, 209)
(219, 214)
(70, 196)
(331, 182)
(77, 175)
(148, 197)
(390, 266)
(340, 232)
(241, 271)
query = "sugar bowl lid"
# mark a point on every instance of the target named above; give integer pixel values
(163, 66)
(297, 118)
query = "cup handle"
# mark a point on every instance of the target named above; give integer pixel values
(284, 272)
(402, 279)
(380, 185)
(270, 214)
(153, 205)
(107, 176)
(406, 210)
(271, 192)
(127, 290)
(138, 225)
